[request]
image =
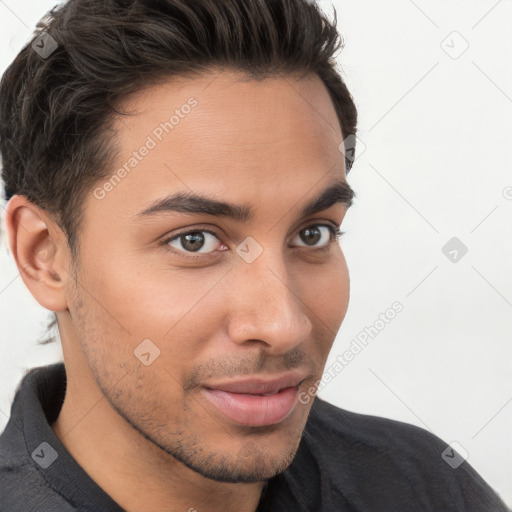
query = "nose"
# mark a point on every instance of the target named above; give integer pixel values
(267, 307)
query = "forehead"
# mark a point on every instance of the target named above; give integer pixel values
(225, 110)
(223, 134)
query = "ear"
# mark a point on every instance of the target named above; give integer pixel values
(39, 248)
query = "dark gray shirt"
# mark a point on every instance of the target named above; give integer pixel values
(346, 462)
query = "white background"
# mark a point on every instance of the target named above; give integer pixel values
(437, 130)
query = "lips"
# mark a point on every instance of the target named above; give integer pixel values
(255, 401)
(259, 385)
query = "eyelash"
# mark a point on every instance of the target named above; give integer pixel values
(335, 232)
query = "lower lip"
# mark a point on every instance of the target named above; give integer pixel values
(254, 410)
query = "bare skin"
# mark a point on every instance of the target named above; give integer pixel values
(145, 433)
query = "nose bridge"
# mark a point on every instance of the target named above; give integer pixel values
(266, 306)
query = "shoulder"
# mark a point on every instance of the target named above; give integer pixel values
(404, 458)
(24, 489)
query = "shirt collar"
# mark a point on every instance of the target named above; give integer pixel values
(39, 398)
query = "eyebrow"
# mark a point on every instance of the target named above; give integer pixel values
(189, 202)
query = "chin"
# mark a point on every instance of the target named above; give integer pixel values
(251, 464)
(251, 454)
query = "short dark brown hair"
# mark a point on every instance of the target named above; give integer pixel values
(56, 137)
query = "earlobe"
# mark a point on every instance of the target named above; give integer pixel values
(34, 244)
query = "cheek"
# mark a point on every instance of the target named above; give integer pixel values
(150, 300)
(324, 291)
(326, 288)
(329, 302)
(111, 337)
(177, 309)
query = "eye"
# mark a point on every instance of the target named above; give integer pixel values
(312, 234)
(203, 241)
(194, 241)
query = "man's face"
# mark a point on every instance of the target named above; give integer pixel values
(217, 315)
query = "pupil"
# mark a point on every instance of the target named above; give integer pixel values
(192, 241)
